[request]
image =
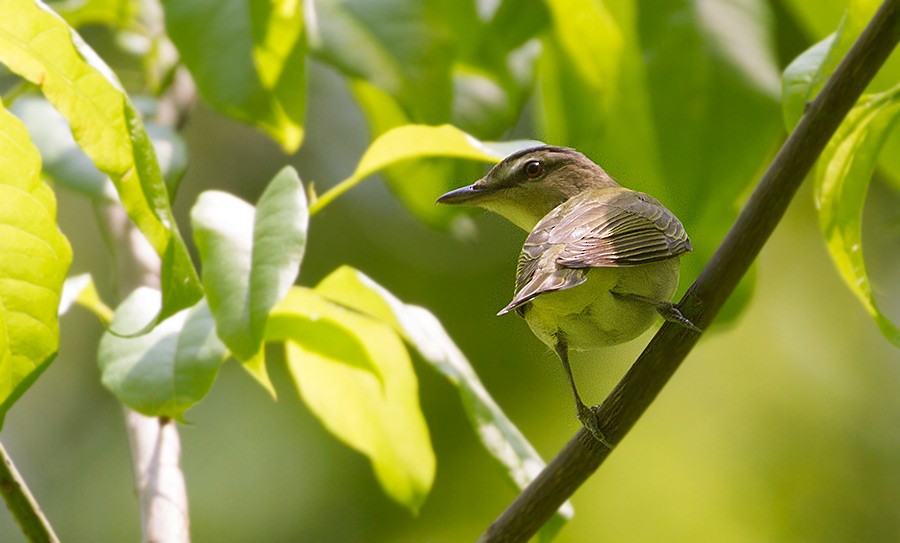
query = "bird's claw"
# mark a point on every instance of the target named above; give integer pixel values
(591, 421)
(671, 313)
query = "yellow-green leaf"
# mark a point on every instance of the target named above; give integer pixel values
(503, 440)
(248, 59)
(414, 141)
(356, 376)
(842, 179)
(34, 259)
(38, 45)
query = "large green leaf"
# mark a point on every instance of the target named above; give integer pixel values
(842, 179)
(67, 165)
(470, 64)
(167, 370)
(353, 289)
(415, 142)
(356, 376)
(34, 259)
(39, 46)
(675, 98)
(250, 256)
(248, 59)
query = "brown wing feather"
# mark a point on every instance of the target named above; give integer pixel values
(611, 227)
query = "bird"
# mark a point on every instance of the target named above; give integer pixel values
(600, 263)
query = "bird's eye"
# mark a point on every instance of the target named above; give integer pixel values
(534, 169)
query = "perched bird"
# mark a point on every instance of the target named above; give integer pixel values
(600, 262)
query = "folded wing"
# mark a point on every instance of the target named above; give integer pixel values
(611, 227)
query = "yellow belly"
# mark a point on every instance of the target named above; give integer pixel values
(590, 316)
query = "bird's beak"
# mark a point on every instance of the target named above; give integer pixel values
(462, 195)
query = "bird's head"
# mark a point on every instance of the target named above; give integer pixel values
(529, 183)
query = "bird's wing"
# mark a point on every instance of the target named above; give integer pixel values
(596, 229)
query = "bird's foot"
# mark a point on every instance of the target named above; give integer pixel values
(591, 421)
(670, 312)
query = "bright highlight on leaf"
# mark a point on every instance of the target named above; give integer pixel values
(842, 179)
(248, 59)
(415, 141)
(38, 45)
(250, 256)
(351, 288)
(356, 376)
(167, 370)
(34, 259)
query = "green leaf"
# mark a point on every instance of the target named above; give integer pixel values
(166, 371)
(39, 46)
(842, 179)
(250, 256)
(416, 142)
(34, 259)
(353, 289)
(432, 62)
(356, 376)
(400, 46)
(664, 99)
(248, 59)
(67, 165)
(804, 78)
(798, 79)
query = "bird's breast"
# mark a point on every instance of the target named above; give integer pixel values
(591, 316)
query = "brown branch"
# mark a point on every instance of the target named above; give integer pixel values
(672, 343)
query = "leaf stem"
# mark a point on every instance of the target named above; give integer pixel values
(672, 343)
(22, 504)
(333, 193)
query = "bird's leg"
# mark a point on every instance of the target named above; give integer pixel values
(668, 310)
(585, 414)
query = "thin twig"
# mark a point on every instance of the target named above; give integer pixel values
(22, 504)
(672, 343)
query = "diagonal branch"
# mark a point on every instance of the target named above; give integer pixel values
(672, 343)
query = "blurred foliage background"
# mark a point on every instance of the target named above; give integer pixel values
(781, 425)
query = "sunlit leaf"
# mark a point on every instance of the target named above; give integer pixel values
(67, 165)
(353, 289)
(38, 45)
(248, 59)
(417, 142)
(34, 259)
(842, 179)
(250, 256)
(356, 376)
(166, 371)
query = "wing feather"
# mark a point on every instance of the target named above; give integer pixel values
(609, 227)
